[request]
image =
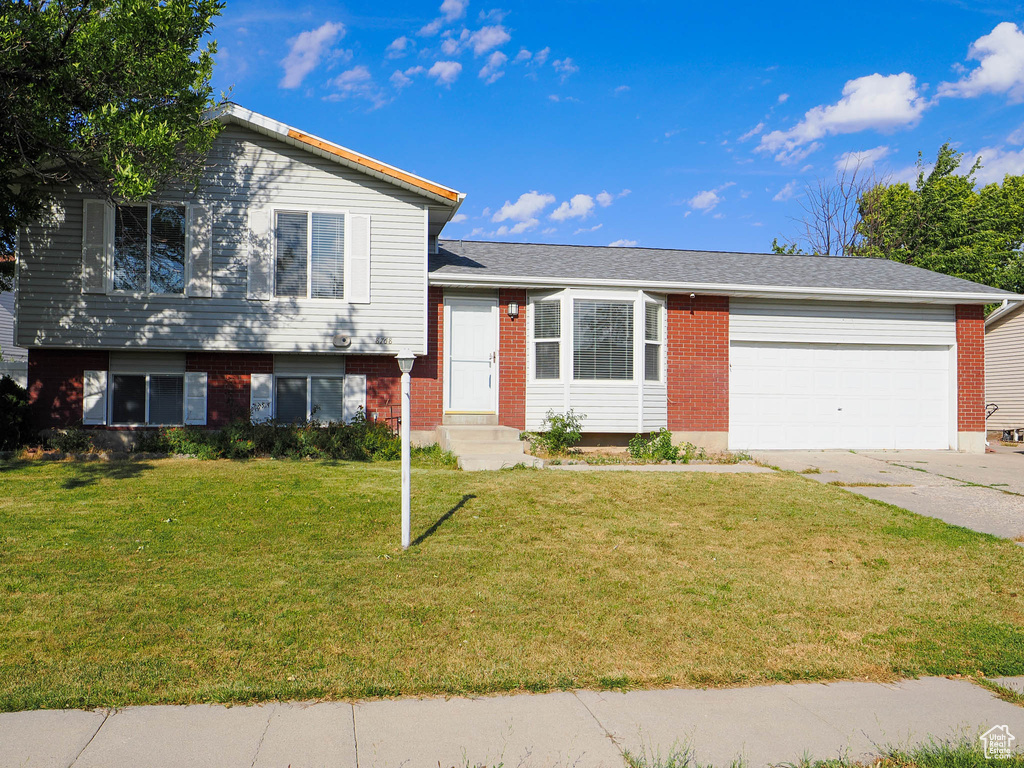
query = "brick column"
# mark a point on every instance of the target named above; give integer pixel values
(55, 384)
(698, 370)
(427, 372)
(970, 377)
(228, 382)
(512, 360)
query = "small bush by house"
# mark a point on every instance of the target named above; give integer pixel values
(14, 421)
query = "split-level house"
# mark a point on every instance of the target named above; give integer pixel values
(286, 283)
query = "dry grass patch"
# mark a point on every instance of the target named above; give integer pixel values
(180, 581)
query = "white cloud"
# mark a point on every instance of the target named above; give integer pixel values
(588, 229)
(357, 83)
(1000, 69)
(622, 243)
(879, 102)
(445, 72)
(523, 55)
(399, 47)
(492, 70)
(518, 229)
(431, 29)
(577, 207)
(619, 90)
(604, 199)
(865, 158)
(306, 51)
(997, 162)
(526, 207)
(564, 67)
(783, 98)
(541, 56)
(458, 217)
(402, 80)
(454, 9)
(1017, 137)
(488, 38)
(787, 192)
(708, 199)
(752, 132)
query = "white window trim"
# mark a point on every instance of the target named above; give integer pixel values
(110, 400)
(648, 301)
(309, 390)
(532, 338)
(149, 247)
(309, 211)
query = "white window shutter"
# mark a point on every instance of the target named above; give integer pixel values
(261, 393)
(354, 396)
(357, 282)
(97, 243)
(261, 254)
(195, 398)
(94, 397)
(200, 281)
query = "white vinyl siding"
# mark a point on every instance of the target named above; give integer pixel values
(8, 349)
(1004, 371)
(250, 176)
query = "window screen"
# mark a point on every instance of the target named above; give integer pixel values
(652, 343)
(602, 340)
(130, 243)
(328, 251)
(328, 399)
(166, 399)
(167, 249)
(291, 399)
(547, 324)
(128, 399)
(291, 239)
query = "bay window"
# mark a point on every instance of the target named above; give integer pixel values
(652, 342)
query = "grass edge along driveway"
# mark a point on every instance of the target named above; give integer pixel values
(178, 581)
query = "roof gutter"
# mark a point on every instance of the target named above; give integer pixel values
(1009, 306)
(451, 280)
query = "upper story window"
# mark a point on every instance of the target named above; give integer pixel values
(602, 340)
(149, 248)
(310, 255)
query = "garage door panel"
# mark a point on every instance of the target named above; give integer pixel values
(838, 396)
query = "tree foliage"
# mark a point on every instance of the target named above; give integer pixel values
(109, 95)
(946, 224)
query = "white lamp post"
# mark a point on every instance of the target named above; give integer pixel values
(405, 361)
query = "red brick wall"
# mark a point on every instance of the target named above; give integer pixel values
(698, 363)
(55, 384)
(228, 381)
(427, 371)
(512, 360)
(383, 385)
(970, 367)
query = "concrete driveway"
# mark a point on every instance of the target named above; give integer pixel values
(982, 492)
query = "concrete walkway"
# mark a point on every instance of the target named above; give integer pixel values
(984, 492)
(765, 725)
(725, 469)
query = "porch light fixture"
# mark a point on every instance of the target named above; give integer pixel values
(513, 310)
(405, 360)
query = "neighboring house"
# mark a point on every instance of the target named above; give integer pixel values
(287, 283)
(8, 349)
(1004, 366)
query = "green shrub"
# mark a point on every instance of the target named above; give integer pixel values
(658, 447)
(71, 440)
(14, 417)
(563, 431)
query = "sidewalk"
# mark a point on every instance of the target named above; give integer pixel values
(766, 725)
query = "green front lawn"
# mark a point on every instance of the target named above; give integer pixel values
(181, 581)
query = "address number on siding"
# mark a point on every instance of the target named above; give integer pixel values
(383, 340)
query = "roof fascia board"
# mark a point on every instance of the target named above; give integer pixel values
(343, 155)
(1009, 307)
(766, 291)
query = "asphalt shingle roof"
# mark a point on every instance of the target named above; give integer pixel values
(659, 265)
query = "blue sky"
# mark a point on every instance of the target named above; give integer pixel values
(658, 124)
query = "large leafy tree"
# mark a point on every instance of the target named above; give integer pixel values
(110, 95)
(947, 224)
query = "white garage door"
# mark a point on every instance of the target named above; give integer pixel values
(838, 396)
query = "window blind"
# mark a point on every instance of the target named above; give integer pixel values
(130, 235)
(128, 399)
(166, 399)
(652, 345)
(328, 399)
(328, 255)
(547, 324)
(291, 399)
(291, 233)
(602, 340)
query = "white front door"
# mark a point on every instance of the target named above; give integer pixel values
(472, 348)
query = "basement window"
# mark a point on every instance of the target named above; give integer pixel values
(147, 399)
(301, 399)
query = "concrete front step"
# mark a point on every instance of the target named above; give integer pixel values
(447, 435)
(472, 447)
(491, 461)
(469, 419)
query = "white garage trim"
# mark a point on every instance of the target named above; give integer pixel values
(841, 396)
